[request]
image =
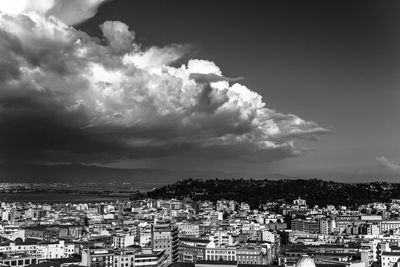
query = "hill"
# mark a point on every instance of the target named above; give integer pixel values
(316, 192)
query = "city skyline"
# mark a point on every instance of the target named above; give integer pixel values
(297, 88)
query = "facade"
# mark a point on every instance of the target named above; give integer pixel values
(124, 259)
(388, 225)
(40, 250)
(215, 253)
(249, 255)
(192, 249)
(165, 237)
(18, 260)
(326, 226)
(389, 259)
(45, 233)
(189, 229)
(151, 258)
(222, 238)
(97, 258)
(310, 226)
(326, 253)
(123, 240)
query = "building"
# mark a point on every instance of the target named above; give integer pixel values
(249, 255)
(164, 236)
(192, 249)
(97, 258)
(310, 226)
(124, 258)
(221, 238)
(388, 225)
(215, 253)
(123, 240)
(189, 229)
(40, 250)
(151, 258)
(45, 233)
(388, 259)
(18, 260)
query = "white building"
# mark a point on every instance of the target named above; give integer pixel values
(216, 253)
(123, 240)
(42, 251)
(189, 229)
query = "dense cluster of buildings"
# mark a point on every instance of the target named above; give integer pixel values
(158, 233)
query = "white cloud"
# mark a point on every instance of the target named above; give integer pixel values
(69, 11)
(118, 36)
(21, 6)
(123, 94)
(394, 167)
(156, 56)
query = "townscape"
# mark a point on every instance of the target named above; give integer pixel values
(176, 133)
(160, 232)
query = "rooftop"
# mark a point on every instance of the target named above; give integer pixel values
(210, 262)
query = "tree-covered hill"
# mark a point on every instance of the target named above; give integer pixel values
(316, 192)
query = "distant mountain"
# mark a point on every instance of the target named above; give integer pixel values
(254, 192)
(75, 173)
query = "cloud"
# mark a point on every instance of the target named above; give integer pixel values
(394, 167)
(69, 11)
(118, 36)
(66, 96)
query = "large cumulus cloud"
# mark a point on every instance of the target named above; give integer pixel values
(66, 96)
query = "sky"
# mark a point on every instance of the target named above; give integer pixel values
(300, 88)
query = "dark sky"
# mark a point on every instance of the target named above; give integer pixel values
(333, 63)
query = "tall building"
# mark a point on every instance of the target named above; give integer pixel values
(309, 226)
(165, 236)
